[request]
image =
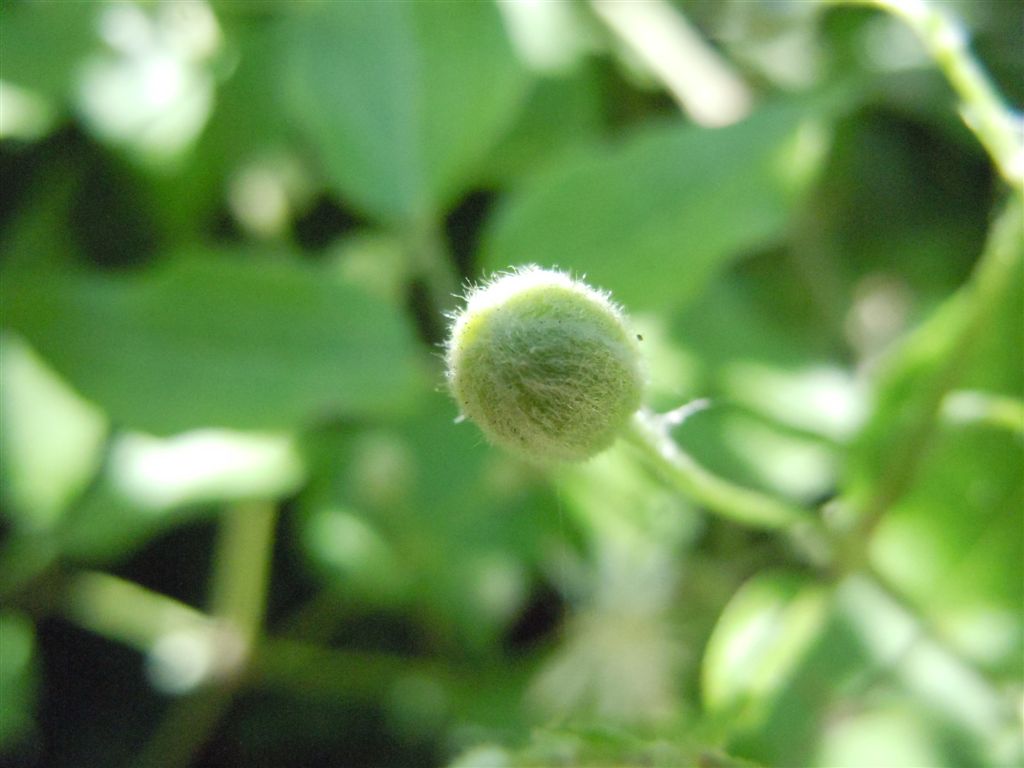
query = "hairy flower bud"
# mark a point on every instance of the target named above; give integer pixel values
(545, 365)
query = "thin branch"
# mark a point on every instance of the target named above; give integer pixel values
(999, 129)
(126, 612)
(240, 578)
(649, 433)
(242, 566)
(993, 276)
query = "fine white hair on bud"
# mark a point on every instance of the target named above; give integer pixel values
(544, 364)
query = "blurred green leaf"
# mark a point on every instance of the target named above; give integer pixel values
(899, 200)
(759, 453)
(401, 100)
(216, 341)
(473, 524)
(107, 524)
(975, 407)
(52, 440)
(149, 485)
(968, 341)
(950, 535)
(953, 541)
(780, 401)
(352, 555)
(463, 524)
(953, 544)
(602, 746)
(909, 657)
(891, 735)
(559, 113)
(203, 466)
(791, 658)
(759, 641)
(657, 215)
(153, 486)
(778, 659)
(17, 679)
(63, 30)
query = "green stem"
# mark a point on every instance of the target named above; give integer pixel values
(993, 276)
(186, 727)
(238, 598)
(307, 670)
(126, 612)
(319, 671)
(998, 130)
(908, 644)
(242, 567)
(649, 433)
(984, 111)
(993, 410)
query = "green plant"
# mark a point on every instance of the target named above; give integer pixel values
(237, 524)
(549, 368)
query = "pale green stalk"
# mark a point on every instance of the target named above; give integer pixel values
(994, 410)
(242, 567)
(649, 432)
(241, 575)
(126, 612)
(999, 129)
(993, 276)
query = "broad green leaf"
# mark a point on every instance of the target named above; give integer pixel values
(777, 660)
(348, 551)
(203, 466)
(953, 543)
(216, 342)
(761, 338)
(759, 452)
(789, 655)
(151, 484)
(887, 209)
(981, 725)
(474, 521)
(401, 100)
(893, 736)
(52, 439)
(461, 523)
(655, 216)
(559, 113)
(602, 745)
(109, 523)
(759, 642)
(44, 43)
(949, 536)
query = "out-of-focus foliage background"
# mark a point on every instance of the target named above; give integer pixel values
(240, 526)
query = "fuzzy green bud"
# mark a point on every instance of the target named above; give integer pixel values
(545, 365)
